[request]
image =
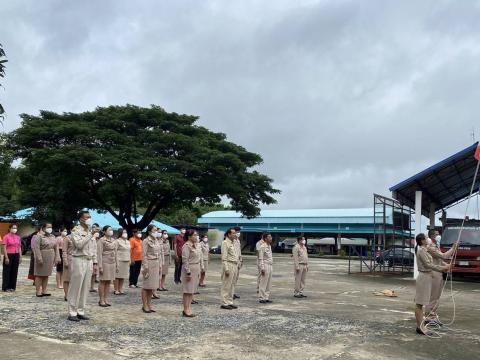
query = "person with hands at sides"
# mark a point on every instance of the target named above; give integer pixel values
(46, 256)
(122, 261)
(191, 268)
(152, 252)
(230, 260)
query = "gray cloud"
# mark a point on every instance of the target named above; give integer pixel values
(341, 98)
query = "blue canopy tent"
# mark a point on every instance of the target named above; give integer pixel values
(101, 218)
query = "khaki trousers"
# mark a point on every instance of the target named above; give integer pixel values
(228, 283)
(300, 276)
(437, 285)
(265, 283)
(81, 274)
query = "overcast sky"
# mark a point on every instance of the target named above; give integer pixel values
(341, 98)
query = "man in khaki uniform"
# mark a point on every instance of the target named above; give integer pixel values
(300, 260)
(230, 260)
(84, 261)
(257, 250)
(238, 247)
(437, 278)
(265, 261)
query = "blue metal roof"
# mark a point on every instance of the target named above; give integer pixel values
(444, 184)
(100, 218)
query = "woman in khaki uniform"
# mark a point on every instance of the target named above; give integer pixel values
(123, 261)
(191, 268)
(300, 261)
(46, 256)
(106, 258)
(424, 280)
(166, 260)
(205, 258)
(152, 260)
(67, 247)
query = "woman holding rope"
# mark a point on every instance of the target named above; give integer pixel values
(426, 267)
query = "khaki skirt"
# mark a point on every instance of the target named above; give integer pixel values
(67, 272)
(189, 287)
(205, 265)
(48, 261)
(123, 270)
(151, 283)
(108, 273)
(164, 269)
(423, 288)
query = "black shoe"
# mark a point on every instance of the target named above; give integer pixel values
(297, 296)
(303, 296)
(145, 311)
(154, 296)
(262, 301)
(41, 295)
(235, 296)
(159, 289)
(420, 332)
(185, 315)
(194, 302)
(269, 301)
(233, 306)
(73, 318)
(82, 317)
(93, 290)
(226, 307)
(46, 294)
(152, 311)
(196, 293)
(65, 299)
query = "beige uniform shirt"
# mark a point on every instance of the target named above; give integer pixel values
(123, 249)
(300, 255)
(437, 254)
(191, 255)
(166, 252)
(229, 253)
(152, 250)
(45, 242)
(84, 244)
(425, 261)
(205, 250)
(265, 256)
(238, 248)
(67, 248)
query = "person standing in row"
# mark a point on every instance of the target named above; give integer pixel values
(178, 247)
(46, 256)
(300, 261)
(438, 258)
(96, 234)
(136, 256)
(191, 268)
(33, 241)
(238, 247)
(12, 250)
(424, 281)
(265, 260)
(258, 245)
(152, 253)
(59, 273)
(206, 259)
(106, 256)
(166, 260)
(122, 261)
(84, 263)
(230, 260)
(67, 247)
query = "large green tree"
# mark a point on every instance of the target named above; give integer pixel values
(2, 74)
(8, 180)
(186, 215)
(123, 158)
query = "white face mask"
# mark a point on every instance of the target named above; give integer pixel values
(13, 230)
(154, 234)
(183, 231)
(139, 235)
(96, 235)
(64, 233)
(302, 242)
(88, 221)
(205, 240)
(438, 238)
(48, 230)
(165, 236)
(110, 233)
(429, 241)
(237, 235)
(124, 235)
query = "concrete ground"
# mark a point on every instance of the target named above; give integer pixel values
(340, 319)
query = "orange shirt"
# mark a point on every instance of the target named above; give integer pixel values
(136, 251)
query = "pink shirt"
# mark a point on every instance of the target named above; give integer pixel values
(12, 243)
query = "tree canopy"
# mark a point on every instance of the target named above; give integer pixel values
(8, 180)
(2, 74)
(125, 158)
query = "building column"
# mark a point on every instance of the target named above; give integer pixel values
(432, 215)
(418, 225)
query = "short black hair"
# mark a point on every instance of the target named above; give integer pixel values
(237, 228)
(189, 234)
(419, 238)
(12, 225)
(229, 231)
(105, 228)
(300, 238)
(95, 224)
(265, 235)
(81, 213)
(149, 228)
(431, 232)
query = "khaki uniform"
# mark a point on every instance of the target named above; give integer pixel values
(238, 248)
(84, 255)
(67, 247)
(257, 248)
(166, 257)
(265, 261)
(46, 255)
(437, 278)
(205, 252)
(191, 264)
(425, 277)
(230, 260)
(107, 258)
(300, 260)
(152, 262)
(123, 258)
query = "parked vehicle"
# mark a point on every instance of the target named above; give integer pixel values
(215, 250)
(397, 256)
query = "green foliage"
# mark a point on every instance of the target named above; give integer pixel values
(123, 158)
(8, 180)
(2, 74)
(186, 215)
